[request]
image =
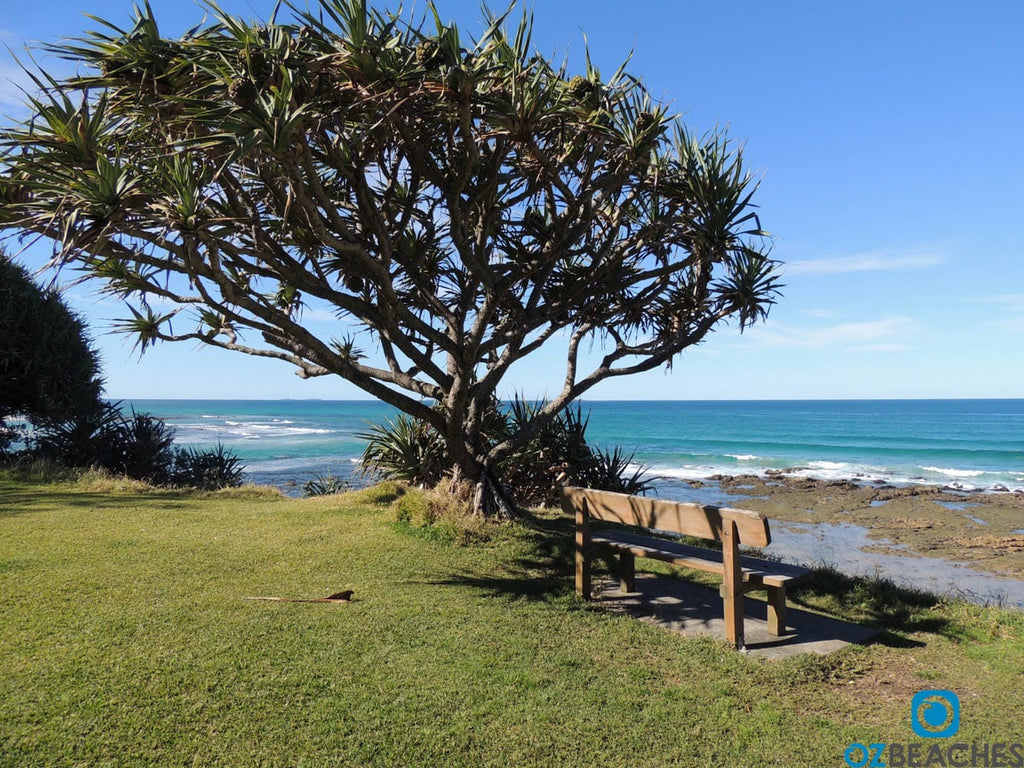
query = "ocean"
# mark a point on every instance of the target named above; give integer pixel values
(968, 444)
(964, 444)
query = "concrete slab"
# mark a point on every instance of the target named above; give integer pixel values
(691, 609)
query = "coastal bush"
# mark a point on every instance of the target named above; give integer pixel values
(557, 454)
(207, 470)
(140, 447)
(50, 382)
(615, 470)
(91, 439)
(143, 449)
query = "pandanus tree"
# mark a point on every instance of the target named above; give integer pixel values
(456, 204)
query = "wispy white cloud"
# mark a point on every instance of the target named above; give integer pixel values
(890, 334)
(867, 262)
(821, 314)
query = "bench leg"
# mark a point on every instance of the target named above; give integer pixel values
(583, 554)
(583, 579)
(777, 610)
(627, 572)
(734, 619)
(732, 587)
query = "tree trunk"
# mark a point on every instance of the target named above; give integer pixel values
(490, 498)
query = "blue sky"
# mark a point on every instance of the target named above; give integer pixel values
(888, 135)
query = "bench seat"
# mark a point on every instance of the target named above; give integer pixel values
(755, 570)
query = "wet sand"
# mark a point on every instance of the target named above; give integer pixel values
(945, 539)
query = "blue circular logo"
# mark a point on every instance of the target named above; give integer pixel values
(935, 714)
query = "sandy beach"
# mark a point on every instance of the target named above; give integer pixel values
(984, 531)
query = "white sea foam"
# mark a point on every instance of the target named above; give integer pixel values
(833, 470)
(298, 463)
(955, 472)
(687, 472)
(250, 430)
(742, 456)
(827, 465)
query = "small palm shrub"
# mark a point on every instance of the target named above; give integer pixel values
(614, 470)
(92, 438)
(552, 458)
(404, 449)
(141, 448)
(325, 485)
(207, 470)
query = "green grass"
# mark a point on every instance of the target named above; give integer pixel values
(125, 640)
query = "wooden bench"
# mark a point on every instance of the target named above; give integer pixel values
(740, 573)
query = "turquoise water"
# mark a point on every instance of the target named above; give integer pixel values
(974, 444)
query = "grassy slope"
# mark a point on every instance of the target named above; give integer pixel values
(124, 640)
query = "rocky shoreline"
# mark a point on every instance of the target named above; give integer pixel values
(982, 530)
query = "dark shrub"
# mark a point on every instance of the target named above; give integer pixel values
(144, 446)
(91, 439)
(208, 470)
(49, 371)
(138, 446)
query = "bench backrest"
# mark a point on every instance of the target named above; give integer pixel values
(699, 520)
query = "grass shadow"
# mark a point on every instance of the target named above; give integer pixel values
(539, 566)
(21, 502)
(872, 600)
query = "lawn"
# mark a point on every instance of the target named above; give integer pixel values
(125, 639)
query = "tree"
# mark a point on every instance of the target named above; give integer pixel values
(49, 371)
(456, 205)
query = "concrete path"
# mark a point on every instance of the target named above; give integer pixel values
(691, 609)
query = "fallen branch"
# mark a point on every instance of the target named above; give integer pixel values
(337, 597)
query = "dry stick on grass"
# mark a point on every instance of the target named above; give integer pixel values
(337, 597)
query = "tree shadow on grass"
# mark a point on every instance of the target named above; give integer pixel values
(539, 569)
(24, 502)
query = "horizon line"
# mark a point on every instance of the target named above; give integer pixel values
(592, 400)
